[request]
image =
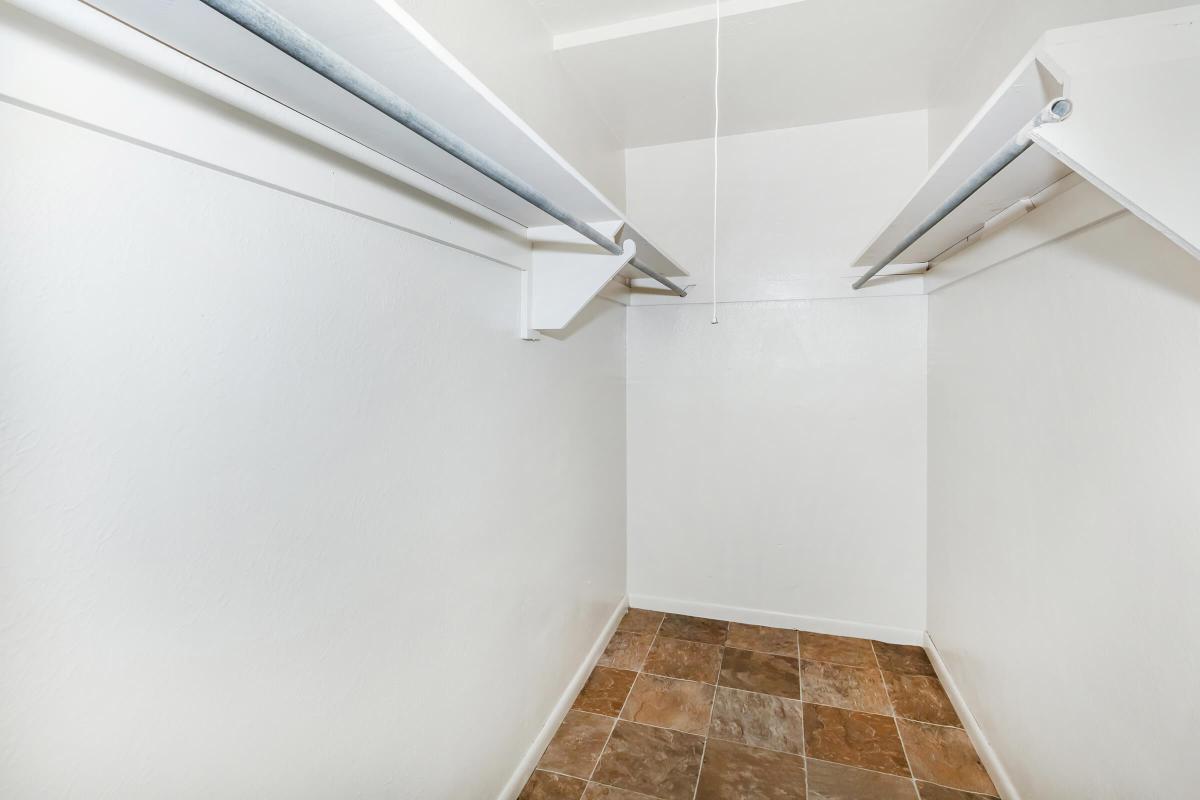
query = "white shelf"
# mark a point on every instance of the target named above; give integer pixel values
(391, 47)
(1133, 82)
(1024, 93)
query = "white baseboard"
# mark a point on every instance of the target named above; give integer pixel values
(779, 619)
(517, 782)
(987, 753)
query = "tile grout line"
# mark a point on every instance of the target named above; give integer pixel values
(608, 739)
(629, 791)
(864, 769)
(804, 755)
(855, 710)
(563, 774)
(804, 728)
(758, 747)
(708, 728)
(901, 777)
(587, 781)
(925, 722)
(600, 755)
(800, 699)
(834, 663)
(903, 749)
(934, 678)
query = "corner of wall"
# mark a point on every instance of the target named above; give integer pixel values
(529, 762)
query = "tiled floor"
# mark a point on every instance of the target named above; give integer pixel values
(681, 708)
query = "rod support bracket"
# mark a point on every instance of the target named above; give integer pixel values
(561, 280)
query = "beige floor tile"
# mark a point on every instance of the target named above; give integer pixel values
(694, 629)
(605, 691)
(670, 703)
(576, 745)
(662, 763)
(759, 720)
(760, 672)
(677, 658)
(944, 756)
(779, 641)
(626, 650)
(854, 738)
(733, 770)
(855, 688)
(829, 781)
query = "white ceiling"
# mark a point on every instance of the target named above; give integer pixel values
(784, 63)
(566, 16)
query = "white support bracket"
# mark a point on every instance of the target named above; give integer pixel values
(562, 280)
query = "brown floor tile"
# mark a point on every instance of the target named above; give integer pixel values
(855, 738)
(676, 658)
(920, 697)
(855, 688)
(598, 791)
(827, 781)
(576, 746)
(836, 649)
(761, 672)
(907, 659)
(637, 620)
(549, 786)
(626, 650)
(760, 720)
(605, 691)
(694, 629)
(944, 756)
(734, 770)
(930, 791)
(779, 641)
(670, 703)
(661, 763)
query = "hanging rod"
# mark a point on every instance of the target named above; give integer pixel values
(1055, 111)
(271, 27)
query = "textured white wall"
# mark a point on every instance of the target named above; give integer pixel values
(796, 205)
(777, 460)
(1007, 30)
(287, 509)
(1064, 446)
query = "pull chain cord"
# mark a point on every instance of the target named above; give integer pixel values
(716, 160)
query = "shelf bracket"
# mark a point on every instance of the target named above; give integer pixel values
(562, 279)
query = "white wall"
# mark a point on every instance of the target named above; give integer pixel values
(287, 509)
(1064, 446)
(796, 206)
(777, 460)
(1008, 29)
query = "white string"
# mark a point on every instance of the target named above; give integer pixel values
(716, 132)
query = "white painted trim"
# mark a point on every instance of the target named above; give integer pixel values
(703, 12)
(987, 754)
(778, 619)
(534, 753)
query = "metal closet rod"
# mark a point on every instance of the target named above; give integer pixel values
(281, 33)
(1055, 111)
